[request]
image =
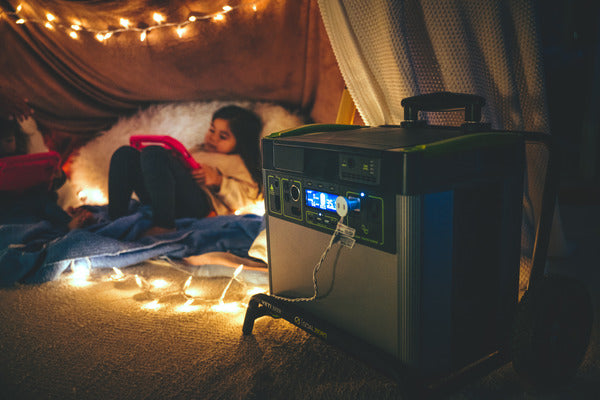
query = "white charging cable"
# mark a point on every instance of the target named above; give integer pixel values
(342, 233)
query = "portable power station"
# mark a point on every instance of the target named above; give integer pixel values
(433, 277)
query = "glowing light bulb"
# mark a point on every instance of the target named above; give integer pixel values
(238, 270)
(235, 274)
(153, 305)
(118, 275)
(187, 306)
(180, 31)
(100, 38)
(159, 18)
(124, 23)
(76, 27)
(227, 8)
(254, 8)
(228, 307)
(50, 17)
(160, 283)
(193, 292)
(107, 35)
(48, 25)
(19, 8)
(187, 283)
(192, 18)
(219, 17)
(80, 272)
(74, 35)
(255, 290)
(143, 36)
(20, 21)
(93, 196)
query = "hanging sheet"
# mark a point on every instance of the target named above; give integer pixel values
(278, 53)
(388, 51)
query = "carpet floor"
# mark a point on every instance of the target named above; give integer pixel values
(133, 337)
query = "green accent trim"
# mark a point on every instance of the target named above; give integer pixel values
(466, 142)
(280, 195)
(312, 128)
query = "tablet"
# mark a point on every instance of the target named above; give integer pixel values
(168, 142)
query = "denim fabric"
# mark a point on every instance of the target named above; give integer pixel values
(37, 252)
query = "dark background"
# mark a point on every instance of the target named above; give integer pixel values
(570, 31)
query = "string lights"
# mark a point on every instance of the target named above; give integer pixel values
(76, 29)
(159, 293)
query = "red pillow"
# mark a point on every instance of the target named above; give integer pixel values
(18, 173)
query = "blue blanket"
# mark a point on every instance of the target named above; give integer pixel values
(35, 252)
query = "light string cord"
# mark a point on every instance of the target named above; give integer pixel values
(52, 22)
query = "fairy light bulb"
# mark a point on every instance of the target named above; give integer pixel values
(75, 28)
(118, 275)
(153, 305)
(159, 283)
(238, 270)
(159, 18)
(187, 307)
(187, 283)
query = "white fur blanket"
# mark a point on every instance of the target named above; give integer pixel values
(188, 122)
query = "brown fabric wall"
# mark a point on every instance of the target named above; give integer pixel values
(279, 53)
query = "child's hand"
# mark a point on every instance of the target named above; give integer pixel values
(80, 217)
(207, 176)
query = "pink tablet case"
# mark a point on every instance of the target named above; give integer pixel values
(141, 141)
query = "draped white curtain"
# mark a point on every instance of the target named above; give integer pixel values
(389, 50)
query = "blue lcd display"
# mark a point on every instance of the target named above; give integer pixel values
(320, 200)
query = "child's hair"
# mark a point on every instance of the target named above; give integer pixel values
(246, 127)
(10, 127)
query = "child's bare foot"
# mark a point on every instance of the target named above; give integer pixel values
(156, 230)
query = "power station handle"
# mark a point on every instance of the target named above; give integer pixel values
(443, 101)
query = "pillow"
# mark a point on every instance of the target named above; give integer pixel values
(188, 122)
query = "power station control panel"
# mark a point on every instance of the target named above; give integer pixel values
(313, 204)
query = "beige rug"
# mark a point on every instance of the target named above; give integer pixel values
(120, 339)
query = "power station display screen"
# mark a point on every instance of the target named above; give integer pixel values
(320, 200)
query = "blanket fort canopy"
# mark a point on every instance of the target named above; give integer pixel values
(82, 64)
